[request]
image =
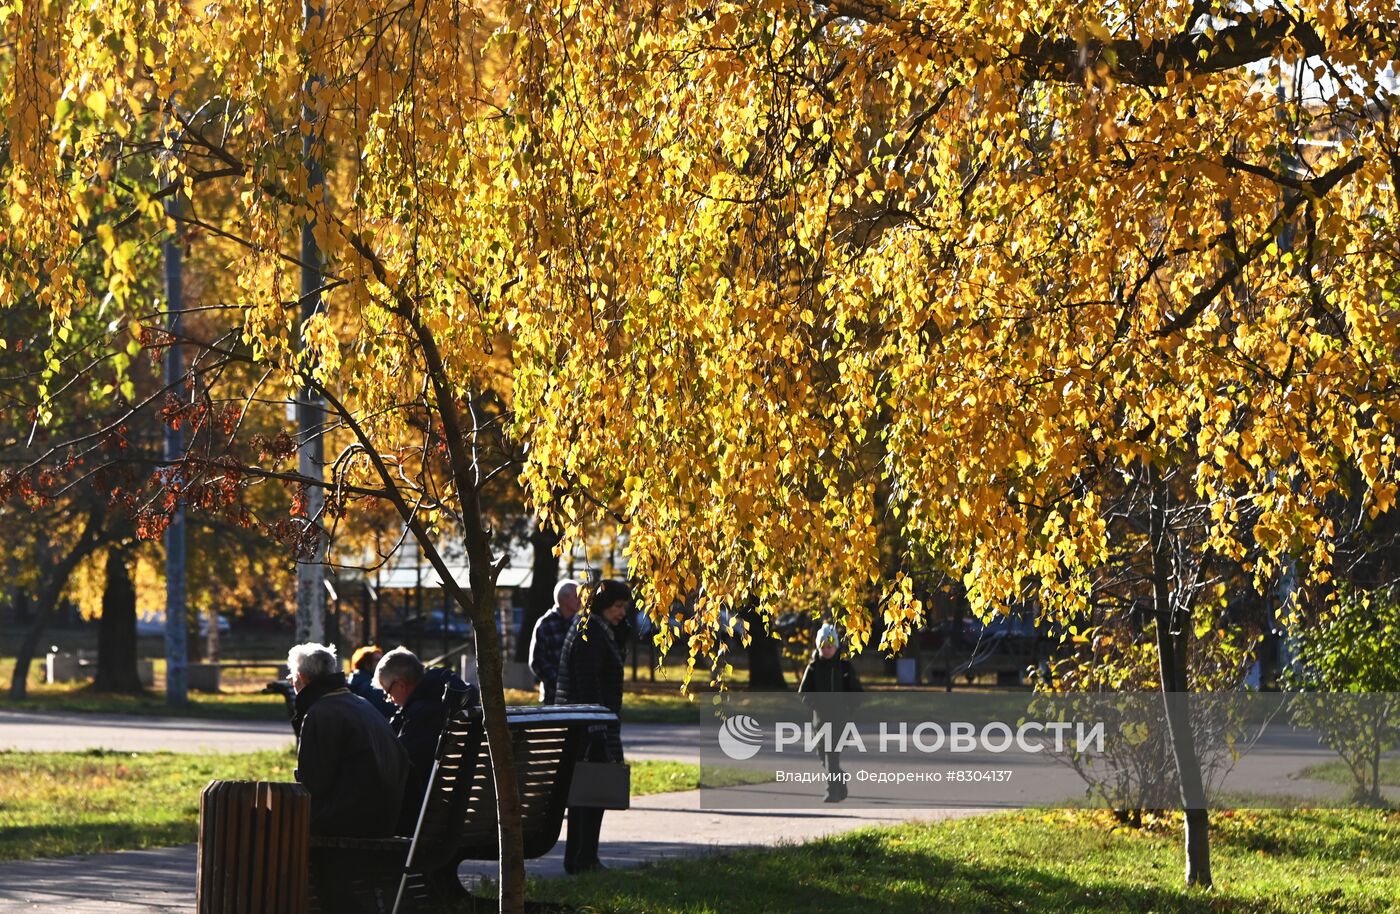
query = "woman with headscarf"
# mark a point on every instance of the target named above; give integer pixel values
(590, 673)
(829, 673)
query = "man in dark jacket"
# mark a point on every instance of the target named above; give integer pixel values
(590, 673)
(347, 757)
(418, 693)
(547, 641)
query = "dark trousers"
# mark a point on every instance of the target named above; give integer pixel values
(581, 846)
(835, 789)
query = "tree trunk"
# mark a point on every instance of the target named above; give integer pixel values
(211, 637)
(1173, 631)
(544, 575)
(52, 582)
(116, 633)
(45, 603)
(479, 604)
(489, 665)
(21, 606)
(765, 655)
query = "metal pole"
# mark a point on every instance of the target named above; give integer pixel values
(1286, 590)
(176, 656)
(378, 594)
(418, 594)
(311, 592)
(446, 615)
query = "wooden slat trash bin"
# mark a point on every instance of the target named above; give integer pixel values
(254, 838)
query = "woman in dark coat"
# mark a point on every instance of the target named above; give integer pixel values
(590, 673)
(827, 674)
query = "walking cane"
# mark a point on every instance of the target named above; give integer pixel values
(455, 699)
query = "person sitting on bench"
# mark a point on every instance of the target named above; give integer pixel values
(418, 693)
(347, 756)
(362, 664)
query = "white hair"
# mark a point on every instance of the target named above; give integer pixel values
(398, 665)
(565, 588)
(313, 660)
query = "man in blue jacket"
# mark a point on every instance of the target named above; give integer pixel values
(418, 693)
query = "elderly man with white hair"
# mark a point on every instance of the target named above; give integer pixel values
(548, 639)
(347, 756)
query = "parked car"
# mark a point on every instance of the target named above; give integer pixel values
(440, 622)
(204, 624)
(154, 625)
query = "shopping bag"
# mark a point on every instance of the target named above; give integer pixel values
(601, 785)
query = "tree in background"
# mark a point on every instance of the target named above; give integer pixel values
(1353, 655)
(73, 384)
(116, 634)
(408, 347)
(43, 548)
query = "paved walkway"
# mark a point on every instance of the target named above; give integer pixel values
(72, 732)
(657, 827)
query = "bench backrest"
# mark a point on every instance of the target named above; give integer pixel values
(459, 817)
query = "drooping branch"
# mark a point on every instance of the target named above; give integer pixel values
(1307, 190)
(1252, 39)
(1249, 39)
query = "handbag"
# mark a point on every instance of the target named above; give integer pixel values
(601, 785)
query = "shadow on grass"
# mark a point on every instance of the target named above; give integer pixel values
(900, 873)
(1316, 834)
(21, 842)
(677, 713)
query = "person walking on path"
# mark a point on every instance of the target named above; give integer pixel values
(827, 675)
(590, 672)
(547, 641)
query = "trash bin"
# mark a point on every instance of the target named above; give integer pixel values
(203, 677)
(254, 839)
(906, 671)
(60, 666)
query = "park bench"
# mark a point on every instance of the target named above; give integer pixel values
(458, 818)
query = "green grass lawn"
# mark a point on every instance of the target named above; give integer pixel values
(242, 702)
(224, 706)
(1284, 862)
(1056, 863)
(59, 803)
(1338, 773)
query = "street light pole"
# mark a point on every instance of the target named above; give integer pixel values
(176, 656)
(311, 573)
